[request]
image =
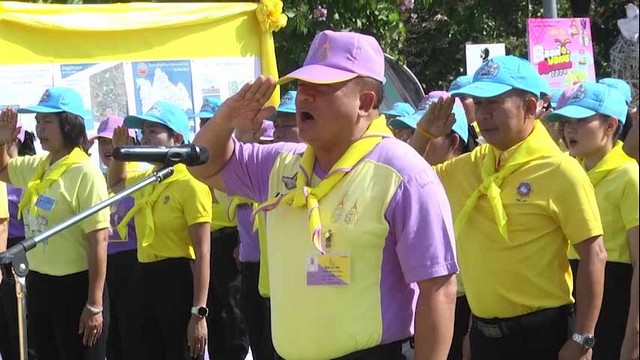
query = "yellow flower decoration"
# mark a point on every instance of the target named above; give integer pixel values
(270, 15)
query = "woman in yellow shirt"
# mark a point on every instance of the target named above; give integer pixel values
(67, 278)
(591, 121)
(172, 221)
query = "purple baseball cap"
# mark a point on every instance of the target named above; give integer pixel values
(110, 123)
(268, 128)
(340, 56)
(21, 133)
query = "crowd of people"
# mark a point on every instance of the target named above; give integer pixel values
(498, 220)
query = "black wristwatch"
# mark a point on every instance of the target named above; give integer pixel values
(200, 311)
(587, 341)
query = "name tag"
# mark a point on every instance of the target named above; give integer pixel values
(329, 270)
(45, 203)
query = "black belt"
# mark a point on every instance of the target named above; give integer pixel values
(385, 351)
(497, 328)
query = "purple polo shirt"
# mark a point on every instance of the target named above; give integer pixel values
(249, 242)
(118, 212)
(16, 227)
(420, 242)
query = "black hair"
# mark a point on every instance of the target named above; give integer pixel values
(624, 129)
(172, 133)
(27, 146)
(73, 131)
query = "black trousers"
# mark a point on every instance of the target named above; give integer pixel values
(123, 337)
(540, 342)
(54, 306)
(612, 321)
(164, 309)
(460, 328)
(257, 314)
(228, 338)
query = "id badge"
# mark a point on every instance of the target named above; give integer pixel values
(328, 270)
(45, 203)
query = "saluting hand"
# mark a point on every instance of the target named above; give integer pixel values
(439, 119)
(121, 136)
(246, 109)
(8, 129)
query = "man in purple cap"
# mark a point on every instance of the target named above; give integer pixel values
(356, 221)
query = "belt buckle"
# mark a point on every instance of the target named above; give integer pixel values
(492, 330)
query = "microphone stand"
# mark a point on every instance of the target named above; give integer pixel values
(17, 254)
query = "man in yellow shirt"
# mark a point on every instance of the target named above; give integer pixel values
(518, 204)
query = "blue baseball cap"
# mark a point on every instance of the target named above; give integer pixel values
(288, 103)
(164, 113)
(620, 85)
(400, 109)
(210, 105)
(58, 99)
(545, 89)
(460, 82)
(501, 74)
(590, 99)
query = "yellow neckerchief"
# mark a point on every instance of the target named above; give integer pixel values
(310, 196)
(614, 159)
(40, 182)
(144, 201)
(538, 144)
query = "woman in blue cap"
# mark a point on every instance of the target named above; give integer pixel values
(67, 306)
(172, 222)
(591, 120)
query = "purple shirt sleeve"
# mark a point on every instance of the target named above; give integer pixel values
(420, 221)
(247, 172)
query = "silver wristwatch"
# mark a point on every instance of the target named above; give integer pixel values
(587, 341)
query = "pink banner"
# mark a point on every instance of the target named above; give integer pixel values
(561, 50)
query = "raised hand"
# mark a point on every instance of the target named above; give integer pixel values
(121, 136)
(246, 109)
(438, 120)
(8, 129)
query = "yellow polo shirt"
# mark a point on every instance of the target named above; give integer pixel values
(615, 179)
(220, 211)
(529, 271)
(81, 186)
(4, 201)
(184, 202)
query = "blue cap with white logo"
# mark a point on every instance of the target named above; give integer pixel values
(620, 85)
(288, 103)
(165, 113)
(58, 99)
(590, 99)
(400, 109)
(460, 82)
(210, 105)
(501, 74)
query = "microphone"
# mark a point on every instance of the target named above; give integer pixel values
(190, 155)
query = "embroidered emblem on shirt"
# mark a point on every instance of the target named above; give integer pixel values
(338, 211)
(488, 69)
(352, 215)
(290, 182)
(166, 199)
